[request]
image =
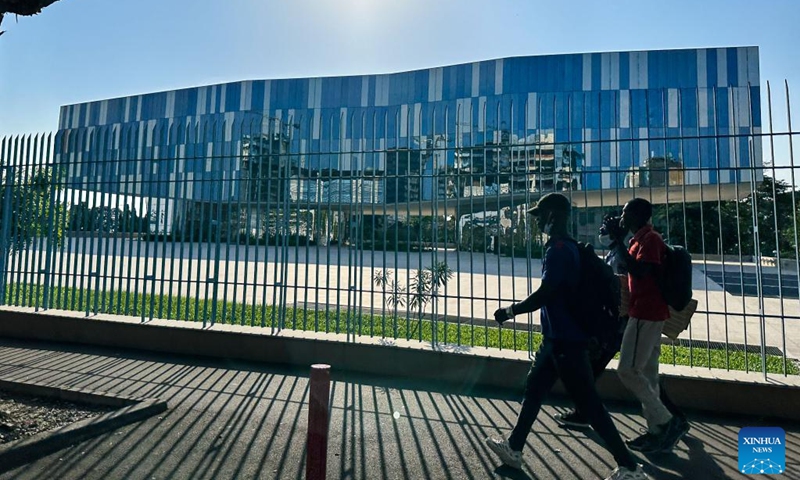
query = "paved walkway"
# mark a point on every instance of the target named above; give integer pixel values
(235, 420)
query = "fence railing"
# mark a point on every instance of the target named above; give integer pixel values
(261, 223)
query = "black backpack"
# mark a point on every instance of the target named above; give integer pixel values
(595, 306)
(676, 277)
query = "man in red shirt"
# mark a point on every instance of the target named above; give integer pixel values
(641, 342)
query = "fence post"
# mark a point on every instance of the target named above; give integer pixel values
(5, 230)
(318, 401)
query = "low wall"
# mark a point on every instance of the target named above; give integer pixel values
(693, 388)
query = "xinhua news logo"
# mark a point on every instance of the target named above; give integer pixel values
(762, 450)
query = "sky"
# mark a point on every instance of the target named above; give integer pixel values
(82, 50)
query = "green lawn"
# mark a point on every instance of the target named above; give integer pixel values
(344, 321)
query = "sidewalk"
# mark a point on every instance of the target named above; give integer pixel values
(236, 420)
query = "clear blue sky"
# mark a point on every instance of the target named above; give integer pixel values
(79, 50)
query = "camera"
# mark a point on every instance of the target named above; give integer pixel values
(611, 227)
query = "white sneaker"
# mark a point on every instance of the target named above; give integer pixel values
(622, 473)
(507, 456)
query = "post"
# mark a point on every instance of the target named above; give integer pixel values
(5, 241)
(318, 400)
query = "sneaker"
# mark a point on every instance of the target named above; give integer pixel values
(571, 419)
(646, 439)
(652, 444)
(622, 473)
(509, 457)
(672, 432)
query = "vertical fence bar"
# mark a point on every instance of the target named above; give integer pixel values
(165, 217)
(352, 242)
(720, 250)
(776, 226)
(28, 227)
(150, 191)
(23, 224)
(320, 218)
(5, 182)
(43, 206)
(684, 181)
(252, 234)
(794, 201)
(190, 221)
(263, 213)
(54, 235)
(108, 218)
(145, 163)
(114, 213)
(205, 239)
(131, 217)
(741, 265)
(39, 183)
(239, 232)
(267, 173)
(9, 176)
(120, 204)
(757, 255)
(361, 185)
(283, 208)
(273, 218)
(214, 281)
(18, 204)
(458, 156)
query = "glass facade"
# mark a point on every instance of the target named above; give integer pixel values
(596, 118)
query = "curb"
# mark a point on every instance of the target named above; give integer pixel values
(76, 395)
(26, 450)
(728, 392)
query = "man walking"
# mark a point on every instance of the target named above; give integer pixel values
(641, 342)
(605, 348)
(563, 352)
(602, 350)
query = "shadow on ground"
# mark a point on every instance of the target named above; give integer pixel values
(231, 419)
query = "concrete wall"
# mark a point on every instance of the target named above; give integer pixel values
(467, 368)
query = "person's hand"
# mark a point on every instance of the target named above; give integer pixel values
(613, 227)
(501, 315)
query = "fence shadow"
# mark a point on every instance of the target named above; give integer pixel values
(231, 419)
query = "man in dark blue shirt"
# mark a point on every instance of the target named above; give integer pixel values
(564, 349)
(603, 349)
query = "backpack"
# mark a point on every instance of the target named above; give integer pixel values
(676, 277)
(597, 295)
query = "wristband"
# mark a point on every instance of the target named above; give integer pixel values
(510, 311)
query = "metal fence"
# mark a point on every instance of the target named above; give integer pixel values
(246, 223)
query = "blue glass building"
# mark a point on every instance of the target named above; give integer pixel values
(701, 106)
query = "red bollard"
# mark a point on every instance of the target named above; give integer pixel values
(318, 402)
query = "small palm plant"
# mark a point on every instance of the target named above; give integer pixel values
(424, 286)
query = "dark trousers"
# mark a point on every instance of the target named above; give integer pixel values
(568, 361)
(599, 358)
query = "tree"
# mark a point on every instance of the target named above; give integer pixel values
(105, 219)
(727, 227)
(79, 217)
(29, 209)
(23, 7)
